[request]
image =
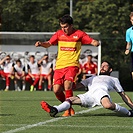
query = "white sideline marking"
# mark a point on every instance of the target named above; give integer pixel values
(49, 121)
(107, 126)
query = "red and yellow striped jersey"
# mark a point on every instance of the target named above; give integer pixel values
(69, 47)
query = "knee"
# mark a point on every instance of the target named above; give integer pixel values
(57, 90)
(108, 106)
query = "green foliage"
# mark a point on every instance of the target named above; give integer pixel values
(109, 17)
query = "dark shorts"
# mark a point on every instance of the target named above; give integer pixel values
(132, 61)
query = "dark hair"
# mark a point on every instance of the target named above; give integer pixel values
(131, 14)
(89, 55)
(110, 65)
(32, 56)
(18, 61)
(66, 19)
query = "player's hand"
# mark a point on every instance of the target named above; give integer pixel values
(7, 57)
(38, 43)
(126, 52)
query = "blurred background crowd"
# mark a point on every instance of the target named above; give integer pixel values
(34, 70)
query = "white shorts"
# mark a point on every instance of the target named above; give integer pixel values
(91, 99)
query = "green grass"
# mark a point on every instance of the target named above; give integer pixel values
(18, 110)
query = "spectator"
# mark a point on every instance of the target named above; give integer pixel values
(89, 68)
(45, 71)
(19, 70)
(8, 70)
(33, 72)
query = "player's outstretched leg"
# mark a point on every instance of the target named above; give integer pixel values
(50, 109)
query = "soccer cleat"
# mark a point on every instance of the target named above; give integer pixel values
(72, 112)
(31, 88)
(69, 112)
(50, 109)
(66, 113)
(131, 111)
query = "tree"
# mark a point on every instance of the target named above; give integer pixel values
(109, 17)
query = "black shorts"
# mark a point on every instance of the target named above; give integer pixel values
(132, 61)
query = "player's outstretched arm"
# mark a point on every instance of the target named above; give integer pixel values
(126, 99)
(42, 44)
(80, 86)
(95, 43)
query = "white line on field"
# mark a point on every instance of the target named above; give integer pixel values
(76, 126)
(88, 126)
(48, 121)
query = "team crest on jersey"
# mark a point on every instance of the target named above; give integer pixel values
(75, 37)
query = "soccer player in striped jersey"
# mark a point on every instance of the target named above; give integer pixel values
(69, 42)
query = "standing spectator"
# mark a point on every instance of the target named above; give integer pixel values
(89, 68)
(19, 70)
(69, 42)
(33, 72)
(8, 70)
(129, 40)
(45, 71)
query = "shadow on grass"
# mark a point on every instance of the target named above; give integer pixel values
(7, 115)
(100, 114)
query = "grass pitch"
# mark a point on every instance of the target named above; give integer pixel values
(20, 112)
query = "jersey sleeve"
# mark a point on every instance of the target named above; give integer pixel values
(54, 39)
(28, 66)
(118, 86)
(13, 64)
(86, 39)
(15, 69)
(24, 68)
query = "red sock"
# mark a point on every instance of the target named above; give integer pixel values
(39, 87)
(49, 87)
(69, 93)
(60, 96)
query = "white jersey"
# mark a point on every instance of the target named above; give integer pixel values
(34, 67)
(45, 67)
(99, 86)
(105, 82)
(8, 67)
(19, 70)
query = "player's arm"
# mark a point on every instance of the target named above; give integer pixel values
(126, 99)
(51, 69)
(3, 60)
(95, 43)
(53, 40)
(29, 71)
(12, 69)
(43, 44)
(80, 86)
(128, 47)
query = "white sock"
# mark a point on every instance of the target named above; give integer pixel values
(63, 106)
(122, 110)
(23, 87)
